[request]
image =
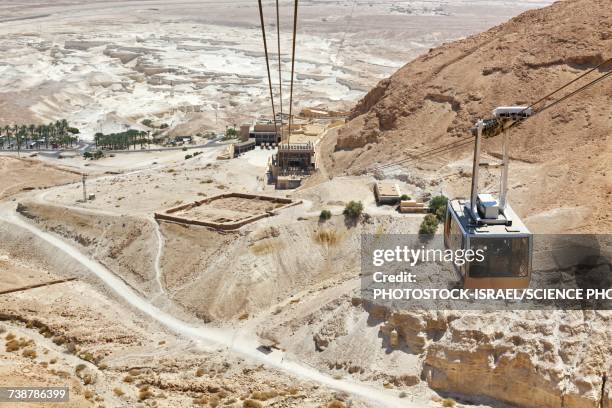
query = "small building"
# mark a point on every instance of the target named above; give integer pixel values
(412, 206)
(387, 193)
(314, 113)
(239, 148)
(288, 182)
(265, 133)
(184, 139)
(292, 163)
(244, 132)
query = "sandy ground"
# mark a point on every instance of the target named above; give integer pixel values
(132, 360)
(185, 309)
(24, 174)
(176, 272)
(287, 280)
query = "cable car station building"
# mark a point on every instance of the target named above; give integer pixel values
(265, 132)
(292, 163)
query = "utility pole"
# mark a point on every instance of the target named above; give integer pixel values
(84, 188)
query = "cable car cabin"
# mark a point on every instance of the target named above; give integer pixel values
(513, 112)
(506, 242)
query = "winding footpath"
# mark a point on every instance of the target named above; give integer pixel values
(239, 344)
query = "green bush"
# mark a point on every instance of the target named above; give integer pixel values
(405, 197)
(98, 154)
(353, 209)
(325, 215)
(188, 156)
(437, 206)
(147, 122)
(441, 213)
(231, 133)
(429, 225)
(184, 149)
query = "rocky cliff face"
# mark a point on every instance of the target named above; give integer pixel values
(527, 359)
(435, 99)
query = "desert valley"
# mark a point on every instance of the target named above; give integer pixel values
(176, 272)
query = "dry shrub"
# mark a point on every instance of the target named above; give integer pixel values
(264, 395)
(53, 361)
(144, 394)
(9, 337)
(88, 379)
(29, 353)
(214, 401)
(327, 237)
(79, 367)
(266, 247)
(118, 391)
(293, 390)
(199, 372)
(88, 394)
(134, 372)
(86, 355)
(200, 401)
(59, 340)
(335, 404)
(128, 379)
(12, 345)
(251, 404)
(71, 347)
(448, 402)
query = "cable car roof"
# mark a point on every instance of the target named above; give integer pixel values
(465, 219)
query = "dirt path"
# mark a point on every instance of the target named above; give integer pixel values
(241, 344)
(158, 255)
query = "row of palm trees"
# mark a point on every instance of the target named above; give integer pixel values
(123, 140)
(57, 134)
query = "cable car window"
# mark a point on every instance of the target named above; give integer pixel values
(504, 258)
(452, 234)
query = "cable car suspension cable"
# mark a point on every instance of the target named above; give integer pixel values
(263, 32)
(450, 147)
(295, 14)
(569, 83)
(280, 78)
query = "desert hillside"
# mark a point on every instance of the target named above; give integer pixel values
(560, 170)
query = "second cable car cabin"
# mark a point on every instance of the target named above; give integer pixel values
(484, 223)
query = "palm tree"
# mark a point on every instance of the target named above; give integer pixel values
(31, 130)
(52, 132)
(15, 130)
(39, 132)
(7, 130)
